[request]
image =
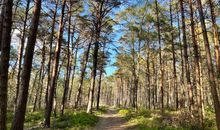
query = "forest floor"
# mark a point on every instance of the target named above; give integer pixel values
(111, 120)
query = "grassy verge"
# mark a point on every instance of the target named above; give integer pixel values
(169, 120)
(71, 120)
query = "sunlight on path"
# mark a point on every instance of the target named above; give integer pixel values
(111, 121)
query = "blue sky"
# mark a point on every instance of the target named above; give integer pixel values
(110, 69)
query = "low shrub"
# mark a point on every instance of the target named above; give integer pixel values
(76, 119)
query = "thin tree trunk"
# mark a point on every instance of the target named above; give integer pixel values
(181, 47)
(93, 75)
(21, 49)
(148, 80)
(155, 85)
(32, 88)
(160, 58)
(67, 80)
(174, 56)
(196, 63)
(1, 21)
(216, 39)
(99, 90)
(50, 55)
(83, 69)
(55, 66)
(74, 69)
(40, 81)
(18, 121)
(185, 49)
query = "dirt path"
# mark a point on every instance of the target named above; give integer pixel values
(111, 121)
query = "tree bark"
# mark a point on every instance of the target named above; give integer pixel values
(68, 67)
(18, 121)
(196, 63)
(74, 68)
(174, 56)
(83, 69)
(40, 81)
(93, 75)
(1, 21)
(211, 75)
(185, 50)
(160, 58)
(99, 90)
(55, 66)
(21, 49)
(50, 55)
(216, 38)
(4, 60)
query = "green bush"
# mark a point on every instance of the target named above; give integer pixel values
(76, 119)
(124, 112)
(34, 116)
(101, 110)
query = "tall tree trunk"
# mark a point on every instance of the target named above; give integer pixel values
(83, 70)
(174, 56)
(32, 88)
(40, 81)
(196, 63)
(18, 121)
(74, 57)
(93, 75)
(185, 49)
(21, 49)
(68, 67)
(4, 60)
(98, 26)
(181, 46)
(211, 75)
(1, 21)
(50, 54)
(216, 38)
(134, 73)
(155, 85)
(99, 90)
(160, 58)
(55, 66)
(148, 78)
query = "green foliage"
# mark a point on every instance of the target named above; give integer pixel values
(70, 120)
(34, 116)
(169, 120)
(75, 120)
(124, 112)
(101, 110)
(210, 123)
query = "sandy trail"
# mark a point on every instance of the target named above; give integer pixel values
(110, 121)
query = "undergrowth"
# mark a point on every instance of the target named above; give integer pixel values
(72, 120)
(169, 120)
